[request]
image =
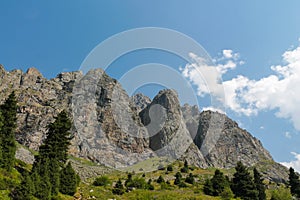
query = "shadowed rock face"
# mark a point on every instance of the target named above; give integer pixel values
(113, 128)
(140, 101)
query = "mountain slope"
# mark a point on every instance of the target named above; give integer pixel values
(113, 129)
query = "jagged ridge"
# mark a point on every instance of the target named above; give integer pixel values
(41, 99)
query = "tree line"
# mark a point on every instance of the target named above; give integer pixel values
(51, 172)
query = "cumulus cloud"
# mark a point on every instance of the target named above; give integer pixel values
(295, 163)
(279, 91)
(194, 72)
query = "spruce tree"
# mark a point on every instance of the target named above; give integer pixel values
(7, 134)
(219, 183)
(259, 185)
(1, 125)
(58, 139)
(54, 176)
(68, 182)
(208, 188)
(294, 182)
(178, 178)
(25, 190)
(41, 179)
(119, 188)
(52, 157)
(242, 184)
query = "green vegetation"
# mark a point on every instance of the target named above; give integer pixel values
(259, 185)
(242, 183)
(7, 133)
(52, 176)
(68, 181)
(294, 183)
(101, 181)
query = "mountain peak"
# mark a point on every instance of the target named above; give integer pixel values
(34, 72)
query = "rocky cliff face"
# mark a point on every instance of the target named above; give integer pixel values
(114, 129)
(140, 101)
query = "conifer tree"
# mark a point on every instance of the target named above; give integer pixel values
(119, 188)
(58, 139)
(7, 134)
(52, 157)
(41, 179)
(294, 182)
(242, 184)
(178, 178)
(1, 125)
(208, 188)
(54, 176)
(68, 183)
(219, 183)
(25, 190)
(190, 179)
(260, 187)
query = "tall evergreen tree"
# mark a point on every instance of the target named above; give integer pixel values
(58, 139)
(219, 183)
(242, 184)
(1, 125)
(7, 134)
(294, 182)
(259, 185)
(41, 179)
(68, 182)
(53, 156)
(54, 176)
(25, 190)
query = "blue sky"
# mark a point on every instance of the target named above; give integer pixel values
(56, 36)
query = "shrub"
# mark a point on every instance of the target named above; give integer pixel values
(170, 168)
(119, 188)
(101, 181)
(190, 179)
(160, 179)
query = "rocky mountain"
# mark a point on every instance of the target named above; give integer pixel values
(117, 130)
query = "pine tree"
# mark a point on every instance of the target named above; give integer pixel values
(178, 178)
(260, 186)
(7, 134)
(219, 183)
(119, 188)
(1, 125)
(54, 176)
(190, 179)
(58, 139)
(294, 182)
(242, 184)
(208, 188)
(41, 179)
(68, 182)
(53, 156)
(160, 179)
(25, 190)
(185, 168)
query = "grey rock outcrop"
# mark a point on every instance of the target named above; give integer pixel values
(112, 128)
(171, 137)
(140, 101)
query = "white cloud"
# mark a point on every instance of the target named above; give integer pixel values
(279, 91)
(213, 109)
(195, 72)
(227, 53)
(288, 135)
(295, 163)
